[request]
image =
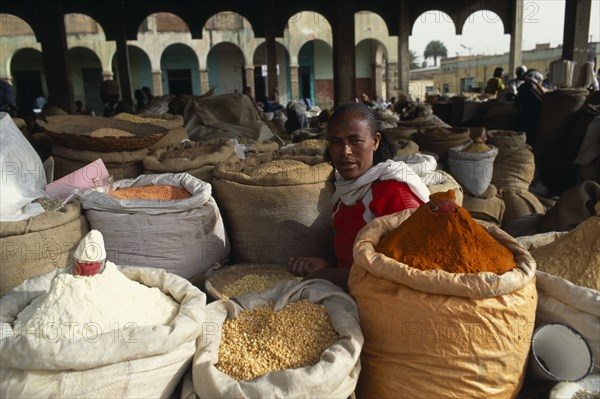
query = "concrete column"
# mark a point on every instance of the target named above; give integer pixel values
(294, 82)
(576, 30)
(516, 38)
(204, 83)
(391, 80)
(403, 58)
(250, 77)
(157, 87)
(122, 53)
(378, 79)
(271, 58)
(344, 53)
(53, 39)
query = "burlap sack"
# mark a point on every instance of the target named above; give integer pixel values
(38, 245)
(488, 206)
(558, 114)
(401, 132)
(201, 167)
(406, 147)
(434, 334)
(519, 203)
(334, 376)
(514, 166)
(277, 216)
(120, 165)
(142, 363)
(439, 140)
(501, 115)
(560, 301)
(572, 208)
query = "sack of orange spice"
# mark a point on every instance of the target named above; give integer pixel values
(438, 333)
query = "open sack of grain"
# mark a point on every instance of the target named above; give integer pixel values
(275, 210)
(568, 278)
(439, 140)
(461, 329)
(195, 158)
(125, 332)
(168, 221)
(308, 346)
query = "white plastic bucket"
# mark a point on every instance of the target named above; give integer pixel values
(559, 353)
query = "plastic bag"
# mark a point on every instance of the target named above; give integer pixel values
(22, 171)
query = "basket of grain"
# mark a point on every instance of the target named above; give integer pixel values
(240, 279)
(84, 132)
(293, 340)
(173, 123)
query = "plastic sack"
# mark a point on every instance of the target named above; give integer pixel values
(23, 175)
(473, 170)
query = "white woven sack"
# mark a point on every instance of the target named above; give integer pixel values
(334, 376)
(139, 363)
(420, 163)
(560, 301)
(185, 237)
(473, 170)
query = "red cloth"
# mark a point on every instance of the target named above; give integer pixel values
(383, 198)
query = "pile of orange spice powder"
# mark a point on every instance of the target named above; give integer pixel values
(443, 235)
(160, 193)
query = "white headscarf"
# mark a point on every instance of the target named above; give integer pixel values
(350, 191)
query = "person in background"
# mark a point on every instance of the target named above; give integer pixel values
(296, 117)
(513, 84)
(109, 94)
(495, 84)
(529, 102)
(148, 94)
(368, 184)
(140, 100)
(81, 109)
(247, 91)
(7, 97)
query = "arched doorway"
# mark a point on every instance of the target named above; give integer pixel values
(315, 73)
(370, 68)
(29, 79)
(226, 73)
(139, 68)
(261, 75)
(180, 70)
(86, 74)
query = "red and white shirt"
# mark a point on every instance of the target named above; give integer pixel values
(384, 197)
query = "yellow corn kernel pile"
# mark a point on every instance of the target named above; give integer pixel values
(256, 282)
(273, 167)
(259, 340)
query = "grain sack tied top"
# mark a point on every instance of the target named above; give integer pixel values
(276, 210)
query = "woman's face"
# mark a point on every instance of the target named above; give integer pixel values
(351, 145)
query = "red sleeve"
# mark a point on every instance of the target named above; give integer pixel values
(391, 196)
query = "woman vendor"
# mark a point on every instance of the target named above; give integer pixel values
(368, 184)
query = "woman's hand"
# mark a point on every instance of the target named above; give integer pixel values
(302, 266)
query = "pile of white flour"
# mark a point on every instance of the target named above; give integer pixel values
(78, 307)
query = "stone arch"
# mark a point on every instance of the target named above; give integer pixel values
(17, 34)
(230, 27)
(304, 27)
(315, 73)
(371, 60)
(28, 77)
(226, 68)
(86, 75)
(283, 72)
(180, 70)
(140, 67)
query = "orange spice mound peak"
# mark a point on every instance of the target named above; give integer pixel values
(443, 235)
